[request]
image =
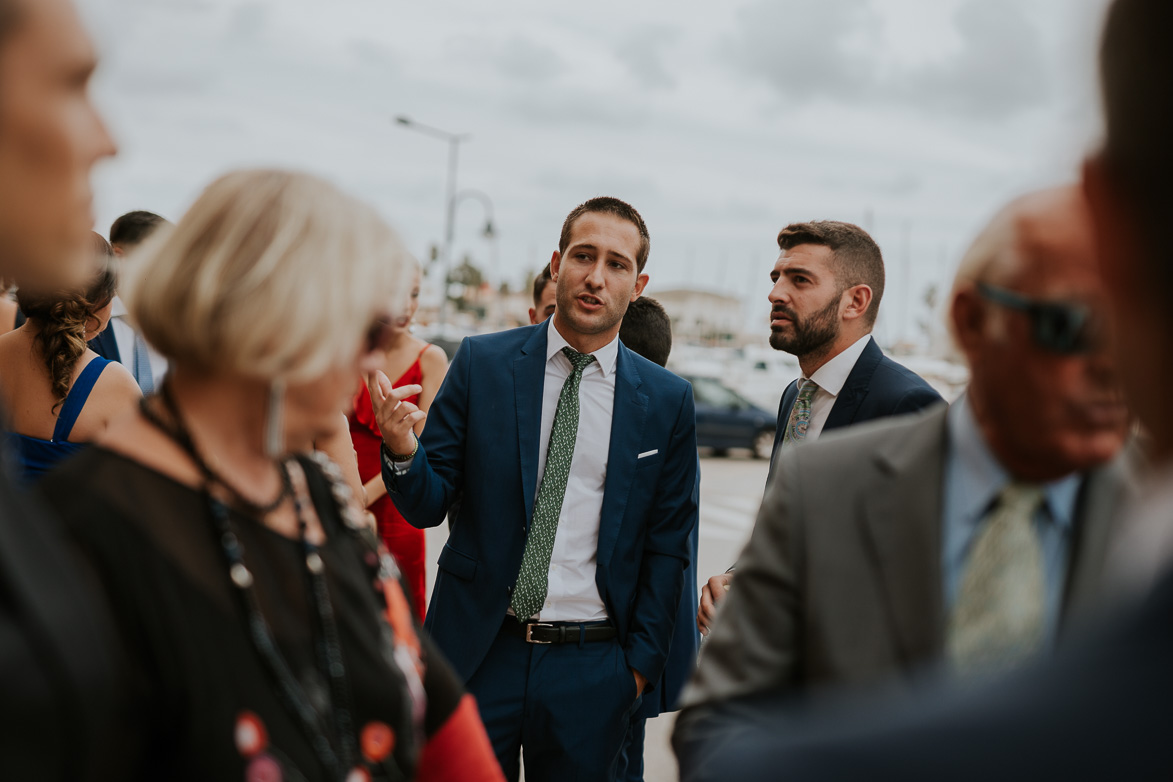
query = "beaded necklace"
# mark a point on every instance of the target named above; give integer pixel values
(339, 755)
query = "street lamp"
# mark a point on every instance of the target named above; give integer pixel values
(489, 231)
(453, 140)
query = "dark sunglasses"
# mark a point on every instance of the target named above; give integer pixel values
(380, 335)
(1066, 328)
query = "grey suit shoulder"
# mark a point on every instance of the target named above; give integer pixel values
(841, 582)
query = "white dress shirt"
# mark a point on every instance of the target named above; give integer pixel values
(572, 595)
(830, 378)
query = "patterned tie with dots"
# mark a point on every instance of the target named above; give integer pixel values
(529, 594)
(800, 413)
(997, 619)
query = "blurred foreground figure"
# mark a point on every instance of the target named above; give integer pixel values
(971, 533)
(1100, 708)
(59, 699)
(268, 637)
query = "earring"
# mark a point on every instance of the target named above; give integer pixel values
(275, 421)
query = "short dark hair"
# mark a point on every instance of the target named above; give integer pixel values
(857, 258)
(647, 330)
(1135, 63)
(610, 206)
(133, 227)
(540, 282)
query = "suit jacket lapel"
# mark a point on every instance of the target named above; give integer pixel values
(902, 520)
(529, 377)
(856, 388)
(1103, 491)
(788, 397)
(627, 425)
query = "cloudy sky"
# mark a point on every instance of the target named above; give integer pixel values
(721, 122)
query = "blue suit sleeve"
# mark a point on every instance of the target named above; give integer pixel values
(666, 551)
(918, 398)
(424, 493)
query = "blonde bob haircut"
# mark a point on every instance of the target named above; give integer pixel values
(271, 275)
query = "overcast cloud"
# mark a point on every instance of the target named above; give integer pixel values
(721, 122)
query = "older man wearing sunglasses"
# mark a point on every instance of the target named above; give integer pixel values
(969, 536)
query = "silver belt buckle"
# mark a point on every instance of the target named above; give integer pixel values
(529, 629)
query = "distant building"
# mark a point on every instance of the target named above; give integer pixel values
(702, 317)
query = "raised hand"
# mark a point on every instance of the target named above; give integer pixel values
(712, 593)
(394, 416)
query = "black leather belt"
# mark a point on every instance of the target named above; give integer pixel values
(558, 632)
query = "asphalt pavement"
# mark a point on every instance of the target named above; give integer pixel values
(731, 491)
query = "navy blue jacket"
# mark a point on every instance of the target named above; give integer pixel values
(877, 387)
(479, 457)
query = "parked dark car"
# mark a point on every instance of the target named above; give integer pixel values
(725, 419)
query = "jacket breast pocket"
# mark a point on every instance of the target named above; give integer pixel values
(649, 460)
(460, 565)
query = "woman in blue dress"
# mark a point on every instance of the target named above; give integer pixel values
(58, 393)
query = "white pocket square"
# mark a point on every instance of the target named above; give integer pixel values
(652, 452)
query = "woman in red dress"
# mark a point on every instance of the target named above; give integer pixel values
(411, 360)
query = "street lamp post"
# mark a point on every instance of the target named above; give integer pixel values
(453, 140)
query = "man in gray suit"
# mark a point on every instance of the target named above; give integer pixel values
(971, 534)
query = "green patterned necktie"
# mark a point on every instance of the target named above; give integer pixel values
(800, 413)
(997, 618)
(529, 594)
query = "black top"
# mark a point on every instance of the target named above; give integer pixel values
(153, 544)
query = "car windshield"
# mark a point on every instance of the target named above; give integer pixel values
(708, 391)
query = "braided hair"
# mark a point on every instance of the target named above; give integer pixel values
(62, 319)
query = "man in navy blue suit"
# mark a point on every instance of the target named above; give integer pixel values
(828, 283)
(570, 467)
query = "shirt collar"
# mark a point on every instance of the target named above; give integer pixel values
(118, 308)
(605, 356)
(984, 477)
(831, 376)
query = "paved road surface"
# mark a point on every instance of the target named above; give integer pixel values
(731, 490)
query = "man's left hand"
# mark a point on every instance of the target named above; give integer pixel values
(641, 682)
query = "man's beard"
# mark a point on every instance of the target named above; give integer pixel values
(811, 334)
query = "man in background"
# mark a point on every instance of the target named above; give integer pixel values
(121, 342)
(60, 699)
(828, 284)
(545, 297)
(647, 330)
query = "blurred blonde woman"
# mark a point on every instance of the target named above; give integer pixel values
(270, 639)
(59, 394)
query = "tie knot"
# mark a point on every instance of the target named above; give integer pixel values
(807, 388)
(579, 361)
(1022, 497)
